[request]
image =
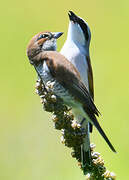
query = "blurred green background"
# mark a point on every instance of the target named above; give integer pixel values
(30, 147)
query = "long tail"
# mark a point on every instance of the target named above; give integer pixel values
(97, 125)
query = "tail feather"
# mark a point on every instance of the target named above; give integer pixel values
(97, 125)
(85, 157)
(91, 127)
(85, 148)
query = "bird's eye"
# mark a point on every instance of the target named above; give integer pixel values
(43, 36)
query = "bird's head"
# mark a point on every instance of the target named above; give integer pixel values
(78, 31)
(43, 41)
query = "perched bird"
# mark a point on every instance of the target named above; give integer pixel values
(53, 67)
(76, 50)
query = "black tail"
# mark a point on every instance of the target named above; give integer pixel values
(85, 157)
(85, 149)
(97, 125)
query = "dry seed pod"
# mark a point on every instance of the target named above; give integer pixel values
(62, 139)
(53, 98)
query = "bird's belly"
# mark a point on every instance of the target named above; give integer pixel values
(57, 88)
(60, 91)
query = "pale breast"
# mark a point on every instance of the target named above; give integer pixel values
(57, 88)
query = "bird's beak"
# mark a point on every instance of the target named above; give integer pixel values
(73, 17)
(56, 35)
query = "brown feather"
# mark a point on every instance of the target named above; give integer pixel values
(57, 62)
(67, 75)
(90, 82)
(34, 48)
(90, 78)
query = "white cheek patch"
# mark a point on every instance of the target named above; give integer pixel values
(50, 45)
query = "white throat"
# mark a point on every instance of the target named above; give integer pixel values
(49, 45)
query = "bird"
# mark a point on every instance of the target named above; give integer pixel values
(76, 50)
(53, 67)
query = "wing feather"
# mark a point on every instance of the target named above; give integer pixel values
(68, 77)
